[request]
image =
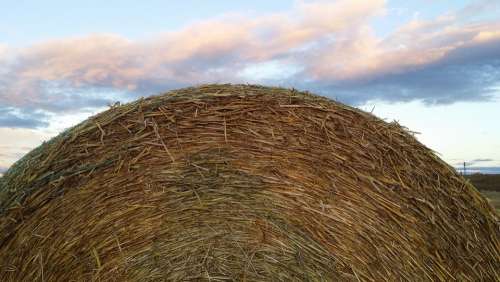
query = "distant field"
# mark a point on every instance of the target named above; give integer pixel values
(494, 198)
(489, 186)
(490, 182)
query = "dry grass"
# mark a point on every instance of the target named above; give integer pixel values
(237, 182)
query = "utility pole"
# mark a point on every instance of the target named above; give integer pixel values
(464, 169)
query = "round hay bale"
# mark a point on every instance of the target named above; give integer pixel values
(239, 182)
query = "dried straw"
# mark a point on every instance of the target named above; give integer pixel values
(238, 182)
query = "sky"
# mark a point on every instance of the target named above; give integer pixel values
(433, 66)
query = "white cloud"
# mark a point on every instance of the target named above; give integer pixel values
(17, 142)
(319, 45)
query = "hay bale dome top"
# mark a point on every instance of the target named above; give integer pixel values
(238, 182)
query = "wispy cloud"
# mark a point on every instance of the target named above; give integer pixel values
(475, 162)
(2, 170)
(330, 46)
(14, 143)
(482, 169)
(482, 160)
(14, 117)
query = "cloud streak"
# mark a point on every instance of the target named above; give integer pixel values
(475, 162)
(12, 117)
(330, 45)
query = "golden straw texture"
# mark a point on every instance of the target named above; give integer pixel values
(241, 183)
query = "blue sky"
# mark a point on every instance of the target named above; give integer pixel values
(432, 65)
(25, 22)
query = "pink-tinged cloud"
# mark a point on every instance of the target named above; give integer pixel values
(360, 54)
(331, 44)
